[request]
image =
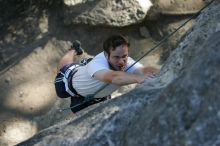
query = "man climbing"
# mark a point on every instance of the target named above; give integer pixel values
(97, 79)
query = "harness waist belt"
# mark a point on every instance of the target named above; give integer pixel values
(70, 85)
(67, 79)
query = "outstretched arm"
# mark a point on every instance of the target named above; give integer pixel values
(119, 78)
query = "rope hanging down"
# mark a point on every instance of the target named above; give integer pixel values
(148, 52)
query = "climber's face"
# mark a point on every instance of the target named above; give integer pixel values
(118, 57)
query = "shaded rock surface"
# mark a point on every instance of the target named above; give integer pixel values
(165, 16)
(180, 106)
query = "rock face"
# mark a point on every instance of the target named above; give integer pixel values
(180, 106)
(104, 12)
(165, 16)
(179, 7)
(206, 25)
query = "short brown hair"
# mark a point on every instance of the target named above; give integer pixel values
(114, 41)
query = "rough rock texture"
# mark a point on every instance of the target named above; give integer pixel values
(180, 106)
(187, 111)
(165, 16)
(205, 25)
(179, 7)
(164, 25)
(104, 12)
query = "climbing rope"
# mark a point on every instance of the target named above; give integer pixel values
(148, 52)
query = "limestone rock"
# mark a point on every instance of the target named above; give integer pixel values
(104, 12)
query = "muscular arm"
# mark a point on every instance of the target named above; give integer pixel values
(118, 77)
